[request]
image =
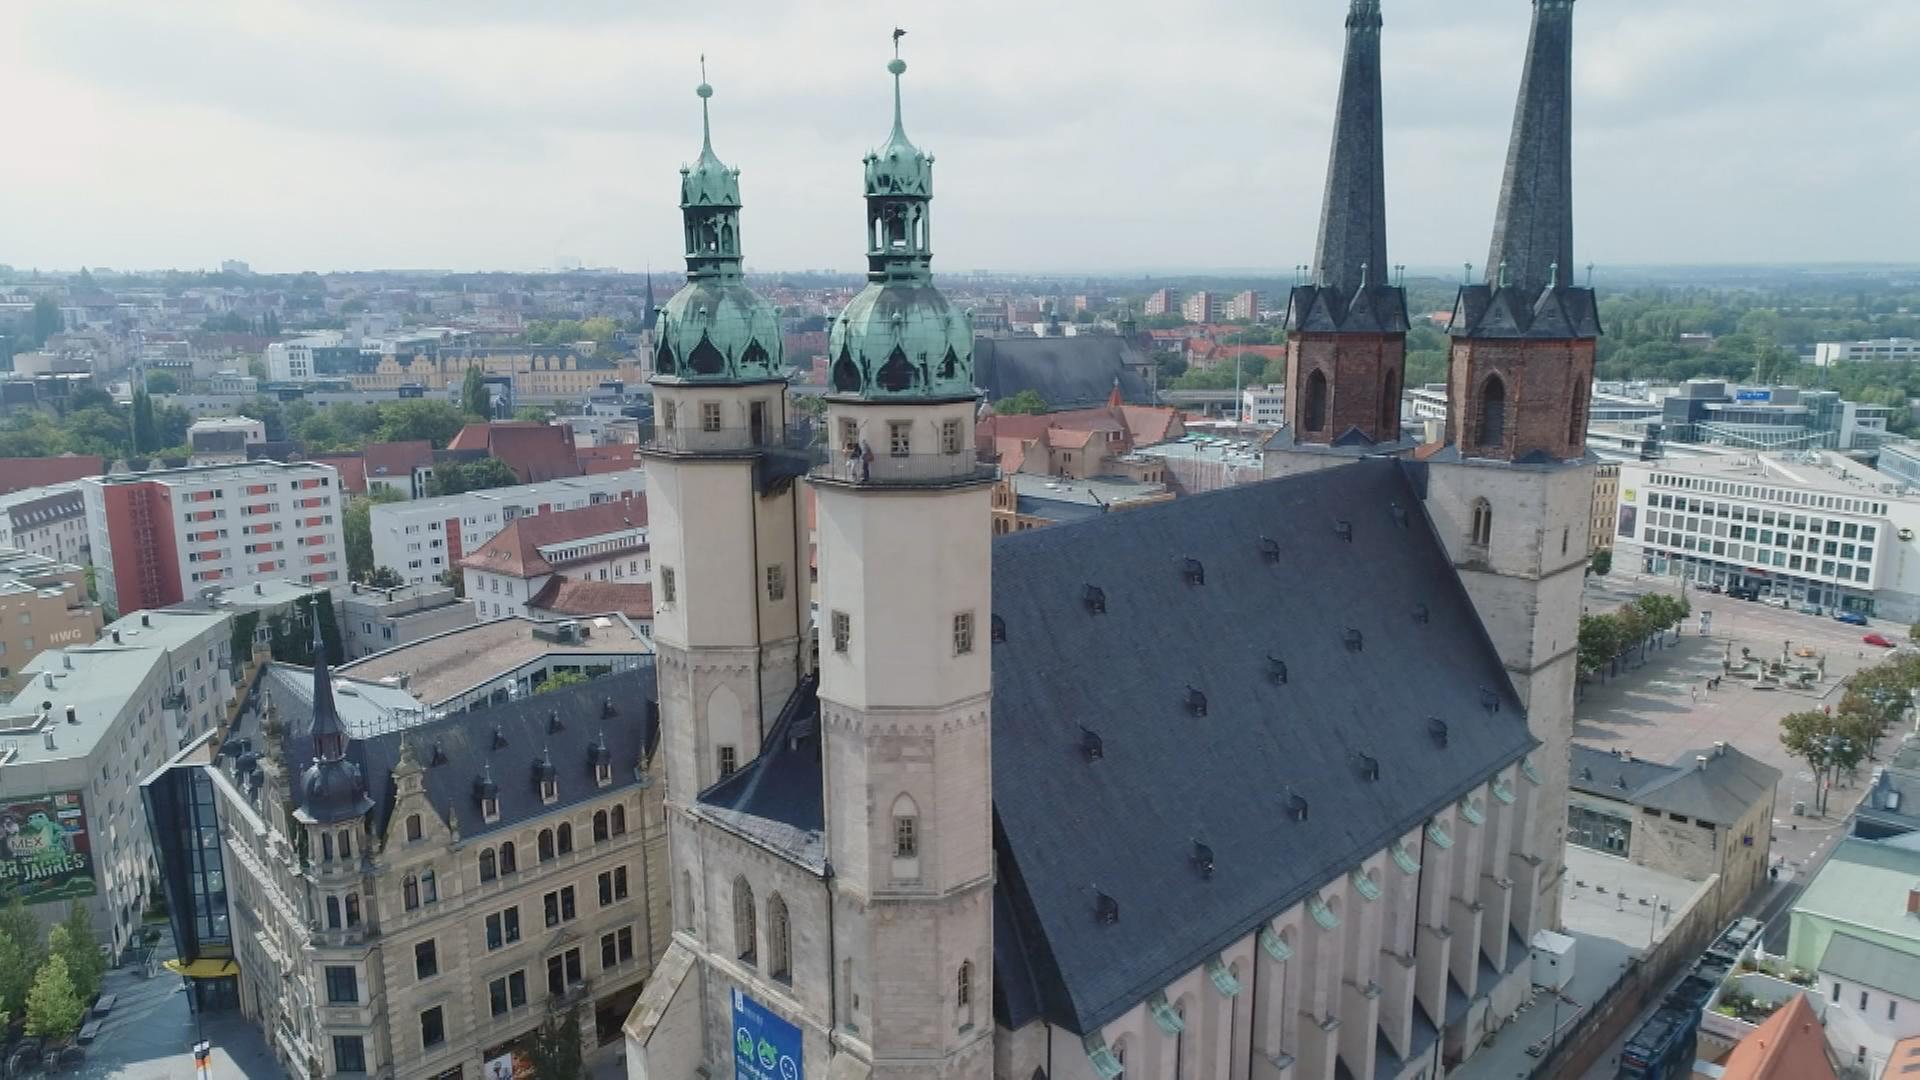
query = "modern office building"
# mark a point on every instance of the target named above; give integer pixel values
(422, 539)
(43, 605)
(160, 536)
(375, 619)
(1770, 417)
(1878, 350)
(1815, 528)
(89, 721)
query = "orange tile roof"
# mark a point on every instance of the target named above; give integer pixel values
(351, 467)
(515, 550)
(1790, 1045)
(564, 596)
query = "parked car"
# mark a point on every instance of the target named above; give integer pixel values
(1739, 593)
(1876, 639)
(1851, 618)
(1811, 609)
(1780, 602)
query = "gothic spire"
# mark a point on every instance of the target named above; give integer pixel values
(328, 734)
(1352, 251)
(1533, 227)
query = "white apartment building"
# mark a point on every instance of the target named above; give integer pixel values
(420, 540)
(290, 360)
(89, 722)
(159, 537)
(1815, 528)
(602, 543)
(1264, 405)
(49, 521)
(1879, 350)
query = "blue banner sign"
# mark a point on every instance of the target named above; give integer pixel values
(765, 1047)
(1753, 395)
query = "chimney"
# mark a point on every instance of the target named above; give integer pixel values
(146, 619)
(116, 637)
(1913, 899)
(1700, 762)
(73, 715)
(258, 589)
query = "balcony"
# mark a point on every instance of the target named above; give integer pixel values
(904, 470)
(696, 439)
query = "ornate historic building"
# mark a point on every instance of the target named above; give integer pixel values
(1021, 809)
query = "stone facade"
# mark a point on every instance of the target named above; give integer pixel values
(1606, 504)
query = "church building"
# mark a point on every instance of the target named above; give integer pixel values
(1265, 783)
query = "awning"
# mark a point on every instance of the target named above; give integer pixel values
(204, 968)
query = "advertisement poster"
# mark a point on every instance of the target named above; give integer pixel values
(765, 1047)
(1629, 520)
(47, 856)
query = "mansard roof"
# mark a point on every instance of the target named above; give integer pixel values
(1338, 575)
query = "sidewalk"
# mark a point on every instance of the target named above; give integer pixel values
(151, 1032)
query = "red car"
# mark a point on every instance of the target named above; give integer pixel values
(1876, 639)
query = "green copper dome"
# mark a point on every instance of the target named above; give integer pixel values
(899, 338)
(715, 329)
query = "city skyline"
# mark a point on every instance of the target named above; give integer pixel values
(1074, 139)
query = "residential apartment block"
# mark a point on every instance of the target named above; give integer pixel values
(422, 539)
(160, 536)
(606, 542)
(43, 605)
(49, 521)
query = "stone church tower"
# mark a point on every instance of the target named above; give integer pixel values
(729, 592)
(905, 676)
(1513, 491)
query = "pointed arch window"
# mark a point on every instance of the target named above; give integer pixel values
(897, 373)
(950, 364)
(906, 839)
(1314, 413)
(1390, 405)
(963, 996)
(846, 374)
(1493, 413)
(705, 359)
(754, 354)
(663, 357)
(745, 943)
(1482, 533)
(779, 941)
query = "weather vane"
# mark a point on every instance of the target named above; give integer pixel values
(897, 35)
(703, 67)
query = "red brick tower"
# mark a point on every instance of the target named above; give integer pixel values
(1523, 343)
(1347, 336)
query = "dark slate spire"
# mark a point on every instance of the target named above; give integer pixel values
(328, 734)
(1533, 228)
(1353, 216)
(649, 314)
(1350, 288)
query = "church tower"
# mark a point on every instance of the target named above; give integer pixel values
(905, 680)
(729, 587)
(1513, 490)
(1347, 324)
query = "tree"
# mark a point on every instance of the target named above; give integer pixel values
(538, 414)
(1913, 632)
(145, 435)
(1602, 563)
(1026, 402)
(1599, 642)
(19, 957)
(72, 940)
(162, 382)
(356, 527)
(54, 1007)
(1827, 742)
(385, 577)
(555, 1050)
(46, 321)
(560, 680)
(454, 478)
(436, 422)
(474, 397)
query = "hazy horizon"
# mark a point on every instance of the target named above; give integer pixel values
(1072, 140)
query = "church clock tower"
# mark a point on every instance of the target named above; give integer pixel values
(904, 623)
(729, 590)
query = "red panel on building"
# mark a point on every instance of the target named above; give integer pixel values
(146, 561)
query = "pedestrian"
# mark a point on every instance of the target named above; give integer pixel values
(1694, 693)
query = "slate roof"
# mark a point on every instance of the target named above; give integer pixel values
(1067, 372)
(1353, 213)
(1126, 824)
(1857, 960)
(456, 750)
(1720, 793)
(777, 799)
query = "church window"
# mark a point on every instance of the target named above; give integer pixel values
(1493, 413)
(668, 414)
(1315, 416)
(410, 893)
(776, 583)
(709, 416)
(963, 633)
(599, 826)
(729, 761)
(963, 995)
(779, 941)
(899, 438)
(489, 865)
(566, 838)
(508, 863)
(950, 436)
(745, 941)
(546, 845)
(906, 839)
(842, 632)
(619, 820)
(666, 585)
(1482, 523)
(413, 827)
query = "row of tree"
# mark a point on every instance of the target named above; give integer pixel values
(1831, 740)
(91, 422)
(52, 977)
(1609, 637)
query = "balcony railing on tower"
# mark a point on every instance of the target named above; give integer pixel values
(879, 467)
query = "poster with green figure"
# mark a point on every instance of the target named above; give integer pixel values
(765, 1046)
(45, 853)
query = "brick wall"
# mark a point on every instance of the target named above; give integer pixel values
(1546, 382)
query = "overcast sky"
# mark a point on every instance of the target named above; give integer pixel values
(1070, 134)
